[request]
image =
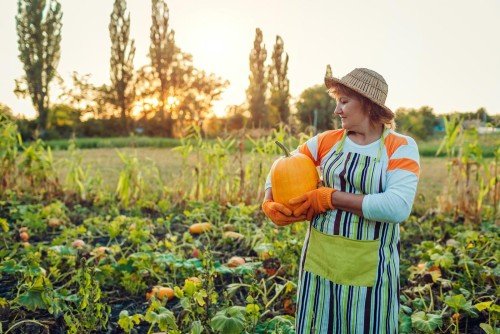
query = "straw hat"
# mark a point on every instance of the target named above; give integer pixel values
(366, 82)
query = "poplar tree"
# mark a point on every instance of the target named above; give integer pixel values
(162, 51)
(279, 104)
(256, 92)
(38, 24)
(122, 59)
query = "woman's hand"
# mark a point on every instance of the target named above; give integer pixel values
(280, 214)
(313, 202)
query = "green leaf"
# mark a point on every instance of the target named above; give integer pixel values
(404, 323)
(280, 324)
(488, 329)
(165, 319)
(228, 321)
(465, 292)
(200, 297)
(483, 305)
(5, 226)
(63, 250)
(426, 323)
(418, 303)
(196, 327)
(178, 292)
(189, 288)
(189, 264)
(252, 309)
(444, 261)
(222, 269)
(127, 322)
(456, 302)
(10, 267)
(32, 300)
(406, 309)
(247, 268)
(185, 303)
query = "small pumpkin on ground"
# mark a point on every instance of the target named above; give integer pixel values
(292, 176)
(102, 252)
(78, 243)
(24, 236)
(233, 235)
(160, 292)
(235, 261)
(54, 222)
(199, 228)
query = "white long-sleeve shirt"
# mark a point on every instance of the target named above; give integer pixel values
(400, 159)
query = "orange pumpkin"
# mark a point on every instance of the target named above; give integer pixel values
(235, 261)
(292, 176)
(199, 228)
(161, 292)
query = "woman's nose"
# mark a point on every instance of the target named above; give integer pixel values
(338, 109)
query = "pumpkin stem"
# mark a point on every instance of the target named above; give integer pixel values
(287, 153)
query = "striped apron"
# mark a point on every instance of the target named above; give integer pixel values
(349, 270)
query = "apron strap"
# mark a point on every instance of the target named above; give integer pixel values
(382, 143)
(381, 147)
(341, 143)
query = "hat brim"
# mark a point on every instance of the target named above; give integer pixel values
(331, 81)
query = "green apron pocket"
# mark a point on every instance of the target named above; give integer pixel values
(342, 260)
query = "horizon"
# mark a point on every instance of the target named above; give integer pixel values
(428, 55)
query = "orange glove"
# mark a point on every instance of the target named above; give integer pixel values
(280, 214)
(313, 202)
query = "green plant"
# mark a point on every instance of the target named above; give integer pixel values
(127, 322)
(9, 141)
(130, 184)
(89, 313)
(78, 180)
(459, 303)
(37, 168)
(469, 178)
(157, 315)
(493, 316)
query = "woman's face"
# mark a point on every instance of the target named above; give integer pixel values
(352, 112)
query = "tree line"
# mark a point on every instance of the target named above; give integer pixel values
(168, 92)
(161, 97)
(166, 95)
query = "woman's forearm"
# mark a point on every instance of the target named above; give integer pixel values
(348, 202)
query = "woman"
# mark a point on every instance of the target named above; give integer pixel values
(349, 276)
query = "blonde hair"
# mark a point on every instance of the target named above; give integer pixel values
(376, 113)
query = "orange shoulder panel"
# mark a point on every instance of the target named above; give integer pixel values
(305, 150)
(327, 140)
(393, 142)
(405, 164)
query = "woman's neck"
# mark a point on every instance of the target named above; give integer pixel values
(366, 136)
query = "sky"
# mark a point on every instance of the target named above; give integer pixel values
(439, 53)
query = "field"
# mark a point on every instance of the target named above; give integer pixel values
(107, 163)
(109, 240)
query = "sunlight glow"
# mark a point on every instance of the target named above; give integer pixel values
(144, 106)
(172, 101)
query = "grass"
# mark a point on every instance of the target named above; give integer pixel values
(114, 142)
(488, 144)
(106, 163)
